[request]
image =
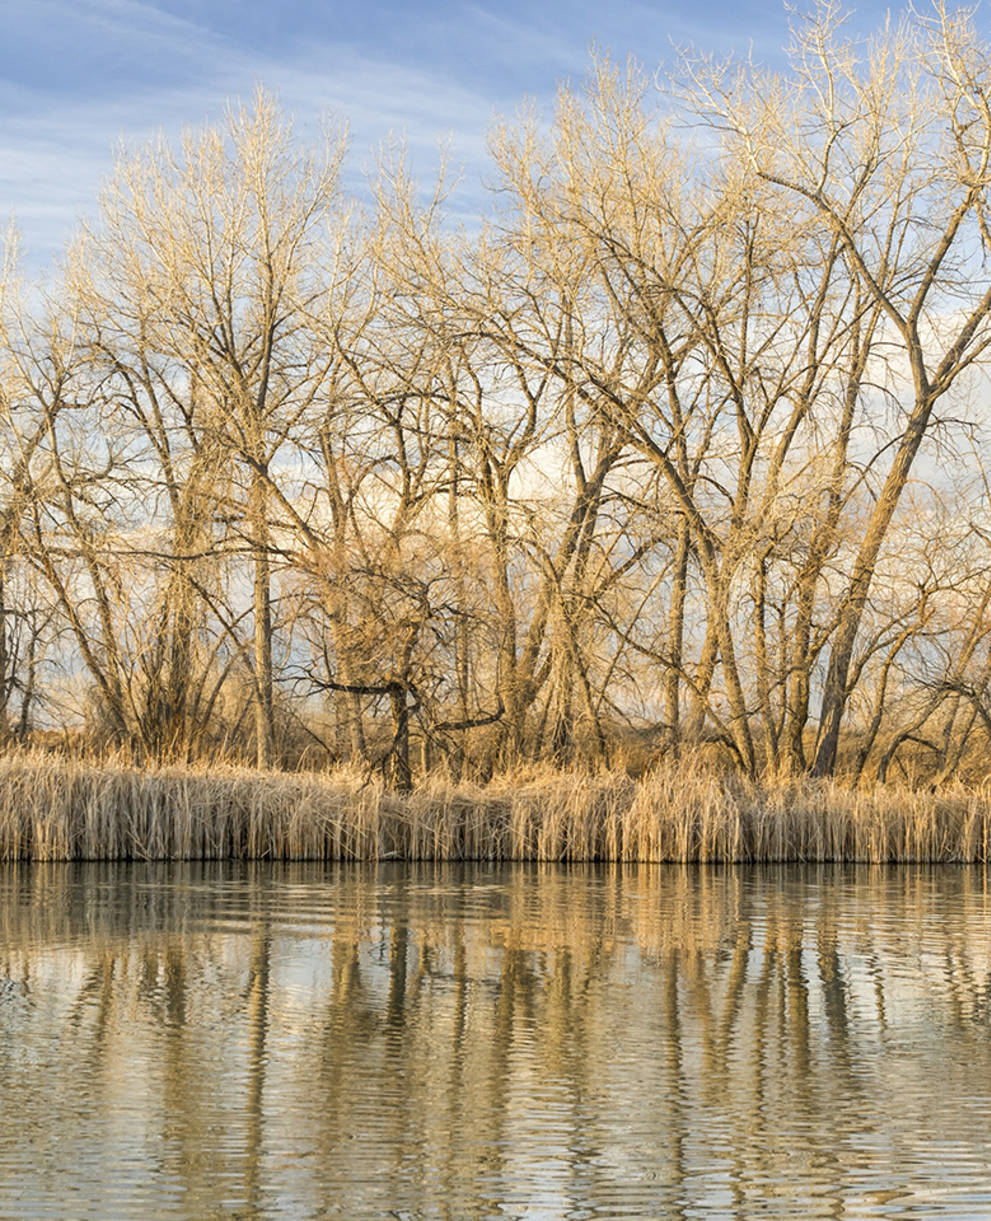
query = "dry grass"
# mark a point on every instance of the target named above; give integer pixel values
(59, 809)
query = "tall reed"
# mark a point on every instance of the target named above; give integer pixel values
(54, 809)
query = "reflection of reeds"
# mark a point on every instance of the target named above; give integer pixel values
(57, 809)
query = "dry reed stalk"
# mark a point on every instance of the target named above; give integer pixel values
(61, 809)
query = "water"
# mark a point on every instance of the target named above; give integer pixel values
(458, 1042)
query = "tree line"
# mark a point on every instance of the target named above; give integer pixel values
(681, 443)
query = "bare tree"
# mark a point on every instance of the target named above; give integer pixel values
(219, 248)
(887, 147)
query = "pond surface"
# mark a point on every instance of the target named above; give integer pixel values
(261, 1041)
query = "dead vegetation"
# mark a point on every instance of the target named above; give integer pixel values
(57, 809)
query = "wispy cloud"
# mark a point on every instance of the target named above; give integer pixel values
(57, 146)
(77, 77)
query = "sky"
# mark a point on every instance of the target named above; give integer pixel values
(80, 77)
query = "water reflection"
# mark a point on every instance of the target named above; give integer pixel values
(306, 1041)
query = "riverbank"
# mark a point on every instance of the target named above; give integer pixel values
(56, 809)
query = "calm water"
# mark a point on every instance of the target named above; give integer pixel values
(461, 1042)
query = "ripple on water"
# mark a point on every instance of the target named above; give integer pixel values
(294, 1041)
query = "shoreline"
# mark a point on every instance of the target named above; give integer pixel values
(59, 809)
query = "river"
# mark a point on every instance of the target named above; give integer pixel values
(442, 1041)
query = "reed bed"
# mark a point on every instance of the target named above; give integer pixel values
(56, 809)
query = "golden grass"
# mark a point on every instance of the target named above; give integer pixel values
(56, 809)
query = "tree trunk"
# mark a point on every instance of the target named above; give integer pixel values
(835, 692)
(263, 692)
(676, 636)
(399, 774)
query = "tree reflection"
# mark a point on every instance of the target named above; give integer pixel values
(458, 1040)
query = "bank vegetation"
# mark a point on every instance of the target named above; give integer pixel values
(70, 810)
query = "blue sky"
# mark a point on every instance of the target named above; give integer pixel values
(79, 76)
